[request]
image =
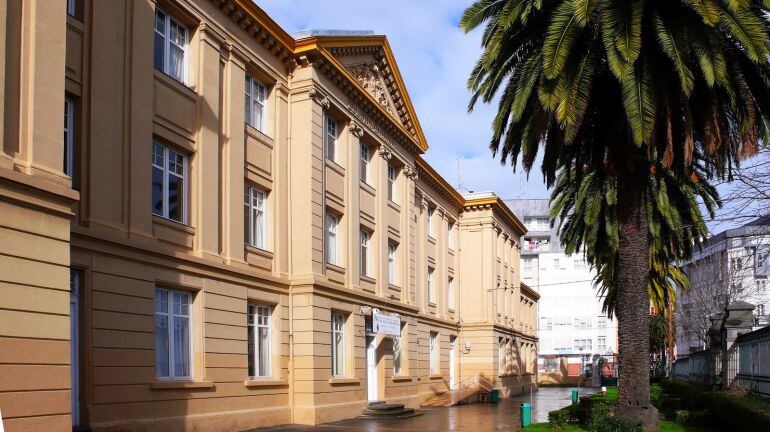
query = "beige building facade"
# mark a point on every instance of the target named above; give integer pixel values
(227, 212)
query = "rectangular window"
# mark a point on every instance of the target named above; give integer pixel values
(433, 353)
(761, 286)
(173, 351)
(170, 46)
(450, 293)
(256, 104)
(71, 7)
(429, 287)
(169, 190)
(501, 354)
(392, 183)
(528, 264)
(364, 253)
(364, 165)
(259, 341)
(449, 240)
(601, 344)
(581, 264)
(396, 355)
(556, 263)
(69, 135)
(255, 216)
(760, 310)
(338, 345)
(392, 263)
(602, 322)
(429, 222)
(330, 138)
(332, 221)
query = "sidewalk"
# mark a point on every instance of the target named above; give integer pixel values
(503, 416)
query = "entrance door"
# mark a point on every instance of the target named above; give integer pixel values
(371, 368)
(452, 362)
(75, 345)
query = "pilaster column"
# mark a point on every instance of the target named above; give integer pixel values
(407, 248)
(352, 208)
(381, 222)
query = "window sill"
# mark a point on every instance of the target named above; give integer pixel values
(451, 310)
(344, 381)
(394, 206)
(257, 251)
(171, 385)
(259, 135)
(431, 239)
(367, 187)
(431, 304)
(265, 383)
(335, 267)
(435, 376)
(369, 279)
(401, 378)
(394, 287)
(335, 166)
(160, 220)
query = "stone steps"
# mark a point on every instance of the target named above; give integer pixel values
(381, 409)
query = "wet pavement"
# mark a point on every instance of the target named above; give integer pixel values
(503, 416)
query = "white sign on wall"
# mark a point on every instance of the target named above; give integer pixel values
(390, 325)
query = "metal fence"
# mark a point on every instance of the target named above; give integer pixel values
(699, 368)
(750, 363)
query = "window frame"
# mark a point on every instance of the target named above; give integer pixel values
(253, 313)
(69, 135)
(363, 164)
(330, 139)
(250, 194)
(449, 237)
(450, 293)
(392, 175)
(363, 252)
(331, 232)
(170, 315)
(338, 355)
(397, 356)
(183, 202)
(429, 286)
(392, 267)
(501, 361)
(429, 223)
(168, 20)
(251, 94)
(432, 352)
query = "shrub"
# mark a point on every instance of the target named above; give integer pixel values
(619, 424)
(736, 412)
(559, 417)
(690, 418)
(598, 414)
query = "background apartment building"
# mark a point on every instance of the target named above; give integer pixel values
(573, 329)
(206, 241)
(732, 266)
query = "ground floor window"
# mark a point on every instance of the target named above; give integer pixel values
(396, 355)
(173, 351)
(259, 341)
(338, 345)
(433, 350)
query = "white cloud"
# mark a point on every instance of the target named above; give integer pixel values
(435, 59)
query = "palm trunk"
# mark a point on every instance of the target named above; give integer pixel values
(670, 365)
(632, 271)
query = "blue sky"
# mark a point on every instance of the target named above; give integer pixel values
(435, 59)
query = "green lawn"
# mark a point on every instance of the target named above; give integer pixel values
(665, 426)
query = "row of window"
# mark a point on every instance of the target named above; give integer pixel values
(567, 323)
(580, 344)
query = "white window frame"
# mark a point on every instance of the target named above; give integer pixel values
(432, 352)
(449, 236)
(256, 97)
(364, 163)
(69, 134)
(332, 228)
(170, 314)
(429, 286)
(450, 293)
(397, 355)
(392, 178)
(331, 132)
(167, 152)
(601, 344)
(168, 22)
(363, 252)
(338, 328)
(392, 267)
(255, 312)
(255, 202)
(71, 7)
(429, 224)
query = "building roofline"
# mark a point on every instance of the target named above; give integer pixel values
(529, 292)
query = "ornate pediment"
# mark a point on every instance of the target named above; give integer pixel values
(370, 78)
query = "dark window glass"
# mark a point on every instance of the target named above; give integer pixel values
(175, 198)
(157, 191)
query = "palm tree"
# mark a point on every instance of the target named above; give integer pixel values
(618, 95)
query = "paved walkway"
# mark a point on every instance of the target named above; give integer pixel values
(503, 416)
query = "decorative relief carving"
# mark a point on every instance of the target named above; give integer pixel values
(410, 172)
(320, 98)
(370, 78)
(356, 129)
(384, 152)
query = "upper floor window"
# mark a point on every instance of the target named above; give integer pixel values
(449, 239)
(450, 293)
(169, 189)
(256, 103)
(69, 135)
(392, 174)
(761, 285)
(173, 350)
(170, 46)
(760, 310)
(392, 263)
(332, 221)
(255, 216)
(259, 340)
(364, 253)
(429, 287)
(338, 345)
(330, 138)
(581, 264)
(528, 264)
(429, 222)
(601, 344)
(364, 164)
